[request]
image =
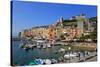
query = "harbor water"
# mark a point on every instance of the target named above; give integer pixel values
(23, 57)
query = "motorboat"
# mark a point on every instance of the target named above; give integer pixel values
(44, 45)
(53, 61)
(39, 61)
(70, 55)
(48, 45)
(61, 50)
(47, 61)
(40, 43)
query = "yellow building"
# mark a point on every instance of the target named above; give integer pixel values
(41, 31)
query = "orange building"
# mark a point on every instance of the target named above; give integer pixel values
(51, 33)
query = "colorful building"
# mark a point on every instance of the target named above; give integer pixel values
(73, 29)
(51, 33)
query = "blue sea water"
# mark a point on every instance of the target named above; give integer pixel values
(23, 57)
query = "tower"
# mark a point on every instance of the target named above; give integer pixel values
(80, 23)
(58, 28)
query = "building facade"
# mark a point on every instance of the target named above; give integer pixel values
(74, 29)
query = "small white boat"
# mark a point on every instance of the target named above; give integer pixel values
(44, 45)
(70, 55)
(53, 61)
(38, 45)
(47, 61)
(61, 50)
(21, 45)
(48, 45)
(39, 61)
(30, 45)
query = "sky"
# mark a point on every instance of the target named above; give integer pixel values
(26, 15)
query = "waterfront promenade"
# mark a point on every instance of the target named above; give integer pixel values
(90, 57)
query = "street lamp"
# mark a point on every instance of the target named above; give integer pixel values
(69, 48)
